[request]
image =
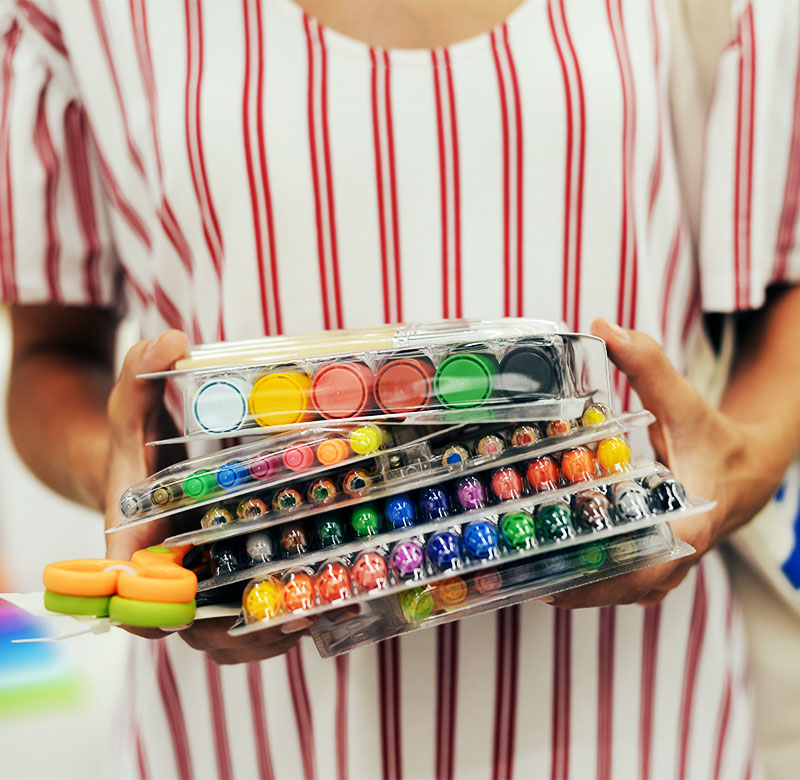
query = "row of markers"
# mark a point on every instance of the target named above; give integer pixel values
(548, 472)
(589, 511)
(449, 550)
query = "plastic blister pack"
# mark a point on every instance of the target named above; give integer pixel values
(455, 453)
(554, 541)
(483, 588)
(461, 371)
(263, 464)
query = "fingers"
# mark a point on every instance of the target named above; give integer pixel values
(211, 637)
(662, 390)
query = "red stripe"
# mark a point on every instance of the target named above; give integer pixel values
(669, 276)
(456, 182)
(791, 191)
(144, 297)
(171, 700)
(390, 715)
(379, 185)
(7, 260)
(43, 24)
(605, 690)
(144, 58)
(656, 170)
(262, 162)
(194, 141)
(302, 711)
(259, 714)
(562, 659)
(249, 7)
(690, 317)
(47, 156)
(141, 758)
(518, 128)
(326, 316)
(506, 684)
(76, 137)
(697, 630)
(499, 691)
(506, 185)
(221, 746)
(329, 180)
(442, 187)
(99, 21)
(725, 703)
(342, 675)
(398, 279)
(166, 308)
(652, 622)
(750, 147)
(447, 640)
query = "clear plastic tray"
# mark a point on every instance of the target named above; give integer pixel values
(489, 588)
(264, 464)
(446, 372)
(261, 554)
(419, 563)
(411, 468)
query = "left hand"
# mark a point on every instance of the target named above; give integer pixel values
(713, 455)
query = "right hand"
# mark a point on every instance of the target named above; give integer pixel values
(137, 415)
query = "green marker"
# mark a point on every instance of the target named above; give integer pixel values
(200, 484)
(593, 555)
(365, 521)
(417, 604)
(329, 532)
(519, 531)
(555, 520)
(465, 380)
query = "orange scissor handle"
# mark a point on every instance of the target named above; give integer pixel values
(86, 577)
(154, 574)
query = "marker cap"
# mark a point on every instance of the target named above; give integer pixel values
(200, 483)
(366, 439)
(220, 405)
(280, 398)
(332, 451)
(342, 390)
(465, 380)
(229, 475)
(264, 466)
(403, 386)
(298, 457)
(528, 373)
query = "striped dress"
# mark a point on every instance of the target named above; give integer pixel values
(233, 168)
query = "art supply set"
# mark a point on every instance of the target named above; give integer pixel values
(442, 373)
(420, 473)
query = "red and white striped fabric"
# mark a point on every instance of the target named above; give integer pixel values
(234, 168)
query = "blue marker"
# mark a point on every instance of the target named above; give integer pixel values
(445, 550)
(480, 539)
(434, 503)
(232, 474)
(400, 511)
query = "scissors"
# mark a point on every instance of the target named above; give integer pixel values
(152, 590)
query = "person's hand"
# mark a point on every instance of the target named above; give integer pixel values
(137, 415)
(713, 455)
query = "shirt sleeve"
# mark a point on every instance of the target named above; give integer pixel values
(55, 242)
(751, 170)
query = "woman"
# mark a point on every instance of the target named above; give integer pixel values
(235, 169)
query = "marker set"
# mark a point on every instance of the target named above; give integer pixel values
(463, 374)
(496, 463)
(421, 472)
(487, 527)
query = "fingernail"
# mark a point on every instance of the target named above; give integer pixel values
(546, 599)
(621, 333)
(152, 345)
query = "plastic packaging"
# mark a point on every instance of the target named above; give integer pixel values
(512, 369)
(424, 463)
(262, 464)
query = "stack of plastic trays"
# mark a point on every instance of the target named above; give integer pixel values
(423, 472)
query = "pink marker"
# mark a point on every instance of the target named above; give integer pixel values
(298, 457)
(264, 466)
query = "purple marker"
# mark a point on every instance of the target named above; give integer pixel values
(264, 466)
(408, 560)
(470, 493)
